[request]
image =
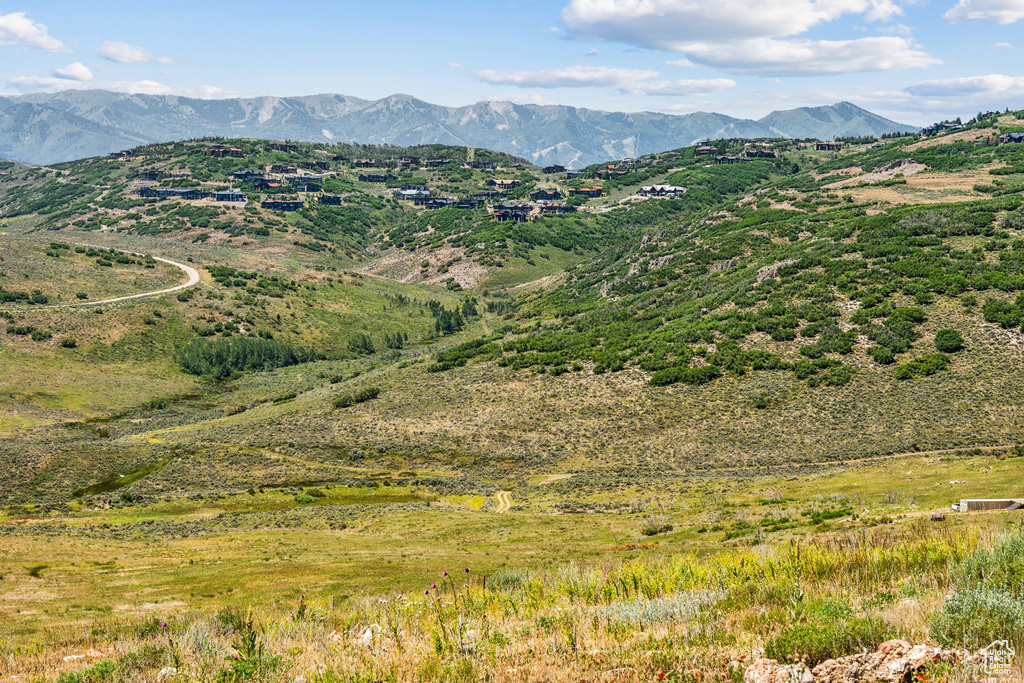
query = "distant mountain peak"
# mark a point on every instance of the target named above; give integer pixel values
(50, 127)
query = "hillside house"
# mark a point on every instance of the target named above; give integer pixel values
(705, 151)
(329, 199)
(436, 162)
(504, 184)
(760, 154)
(1009, 138)
(828, 146)
(573, 175)
(149, 175)
(266, 185)
(363, 163)
(281, 169)
(411, 195)
(721, 160)
(661, 191)
(247, 177)
(413, 186)
(281, 205)
(591, 192)
(516, 213)
(438, 203)
(339, 157)
(469, 203)
(407, 162)
(229, 196)
(283, 147)
(944, 127)
(179, 175)
(221, 151)
(554, 168)
(483, 165)
(557, 209)
(189, 193)
(545, 195)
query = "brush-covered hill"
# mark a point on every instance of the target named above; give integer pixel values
(44, 127)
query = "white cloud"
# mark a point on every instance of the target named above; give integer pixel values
(1001, 11)
(681, 62)
(622, 81)
(123, 53)
(75, 71)
(676, 88)
(522, 98)
(749, 36)
(28, 84)
(994, 85)
(671, 24)
(1006, 45)
(769, 57)
(18, 29)
(567, 77)
(454, 65)
(592, 53)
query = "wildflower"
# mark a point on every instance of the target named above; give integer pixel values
(426, 591)
(661, 676)
(444, 573)
(433, 585)
(467, 570)
(163, 625)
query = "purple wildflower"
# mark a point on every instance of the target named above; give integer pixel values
(433, 585)
(426, 592)
(444, 573)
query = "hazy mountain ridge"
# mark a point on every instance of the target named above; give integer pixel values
(46, 128)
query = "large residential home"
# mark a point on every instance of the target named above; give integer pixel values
(172, 193)
(469, 203)
(705, 151)
(760, 154)
(661, 191)
(721, 160)
(411, 195)
(545, 195)
(573, 175)
(517, 213)
(329, 199)
(508, 184)
(222, 151)
(435, 162)
(149, 175)
(283, 147)
(363, 163)
(229, 196)
(828, 146)
(409, 161)
(267, 185)
(282, 169)
(591, 192)
(1011, 138)
(483, 165)
(281, 205)
(247, 176)
(553, 168)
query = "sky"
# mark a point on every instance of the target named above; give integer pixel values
(915, 61)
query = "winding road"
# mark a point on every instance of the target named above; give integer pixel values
(193, 280)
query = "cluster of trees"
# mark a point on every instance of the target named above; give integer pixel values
(224, 358)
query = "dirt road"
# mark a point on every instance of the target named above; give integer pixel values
(504, 502)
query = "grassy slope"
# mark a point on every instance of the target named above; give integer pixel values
(722, 470)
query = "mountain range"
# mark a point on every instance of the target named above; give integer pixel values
(46, 128)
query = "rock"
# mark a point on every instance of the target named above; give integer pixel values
(166, 674)
(73, 658)
(770, 671)
(93, 653)
(772, 271)
(895, 660)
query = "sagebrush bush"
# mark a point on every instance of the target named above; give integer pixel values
(973, 618)
(948, 341)
(815, 643)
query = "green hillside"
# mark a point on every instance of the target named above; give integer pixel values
(812, 351)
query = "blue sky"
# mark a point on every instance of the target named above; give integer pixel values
(916, 61)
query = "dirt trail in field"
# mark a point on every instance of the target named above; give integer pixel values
(504, 502)
(193, 280)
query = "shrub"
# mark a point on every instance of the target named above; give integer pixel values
(923, 366)
(882, 355)
(361, 396)
(814, 643)
(40, 335)
(304, 499)
(948, 341)
(782, 334)
(68, 343)
(974, 618)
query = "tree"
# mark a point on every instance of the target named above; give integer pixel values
(948, 341)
